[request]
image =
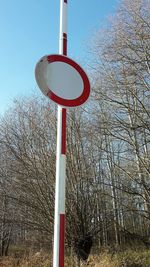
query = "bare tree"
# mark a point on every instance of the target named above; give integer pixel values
(122, 94)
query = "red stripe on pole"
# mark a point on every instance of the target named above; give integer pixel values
(62, 240)
(65, 35)
(63, 141)
(65, 44)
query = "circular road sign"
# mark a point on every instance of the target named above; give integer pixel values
(62, 80)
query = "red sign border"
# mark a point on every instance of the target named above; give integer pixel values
(86, 90)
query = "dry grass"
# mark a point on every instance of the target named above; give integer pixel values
(38, 259)
(130, 258)
(104, 260)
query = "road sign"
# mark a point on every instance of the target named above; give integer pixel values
(62, 80)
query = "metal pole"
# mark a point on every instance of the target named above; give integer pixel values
(59, 223)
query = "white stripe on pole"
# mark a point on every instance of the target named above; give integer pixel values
(63, 17)
(63, 24)
(62, 185)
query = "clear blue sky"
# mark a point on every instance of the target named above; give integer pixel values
(29, 29)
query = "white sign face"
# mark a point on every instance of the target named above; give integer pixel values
(62, 80)
(68, 85)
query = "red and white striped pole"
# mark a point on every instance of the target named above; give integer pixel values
(59, 223)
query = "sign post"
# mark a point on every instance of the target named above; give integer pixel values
(59, 224)
(63, 81)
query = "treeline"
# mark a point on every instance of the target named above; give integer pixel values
(108, 150)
